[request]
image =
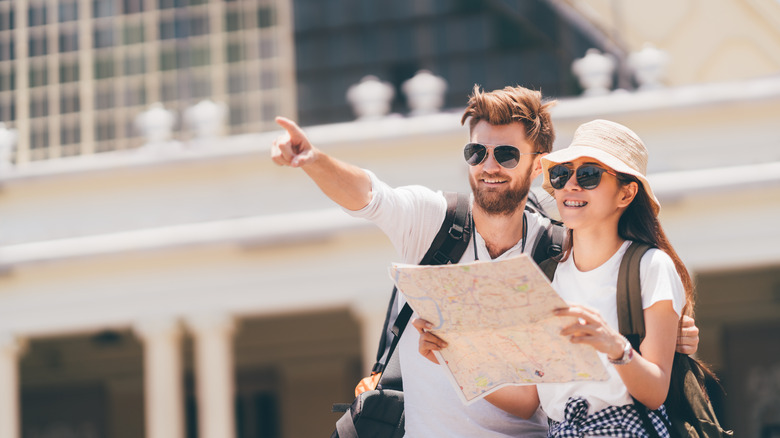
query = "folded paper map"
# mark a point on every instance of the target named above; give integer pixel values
(497, 319)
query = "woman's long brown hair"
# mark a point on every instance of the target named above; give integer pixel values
(639, 223)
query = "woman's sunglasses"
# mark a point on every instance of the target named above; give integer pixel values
(588, 176)
(505, 155)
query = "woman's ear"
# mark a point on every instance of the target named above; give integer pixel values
(627, 193)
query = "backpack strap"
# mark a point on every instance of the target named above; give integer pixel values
(453, 237)
(549, 242)
(447, 247)
(631, 317)
(548, 267)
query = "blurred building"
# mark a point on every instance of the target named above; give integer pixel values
(161, 277)
(76, 73)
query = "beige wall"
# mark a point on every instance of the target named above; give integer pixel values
(708, 41)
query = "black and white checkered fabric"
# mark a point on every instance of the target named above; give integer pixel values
(613, 421)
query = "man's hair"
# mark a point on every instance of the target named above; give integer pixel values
(513, 104)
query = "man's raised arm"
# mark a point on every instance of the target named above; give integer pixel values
(347, 185)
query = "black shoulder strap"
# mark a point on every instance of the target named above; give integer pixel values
(447, 247)
(549, 242)
(548, 267)
(453, 236)
(631, 318)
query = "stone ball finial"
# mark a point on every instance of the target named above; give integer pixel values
(156, 123)
(425, 92)
(649, 66)
(594, 72)
(370, 98)
(206, 118)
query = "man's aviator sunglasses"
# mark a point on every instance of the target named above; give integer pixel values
(588, 176)
(505, 155)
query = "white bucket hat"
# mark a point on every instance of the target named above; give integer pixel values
(610, 143)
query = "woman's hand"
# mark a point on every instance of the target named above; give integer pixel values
(590, 328)
(687, 336)
(428, 341)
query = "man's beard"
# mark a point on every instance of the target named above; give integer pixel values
(500, 202)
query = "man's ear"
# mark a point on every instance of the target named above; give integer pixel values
(536, 170)
(628, 193)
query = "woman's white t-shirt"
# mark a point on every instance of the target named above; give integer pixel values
(597, 288)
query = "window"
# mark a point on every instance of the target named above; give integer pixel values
(183, 60)
(39, 104)
(185, 26)
(200, 87)
(38, 75)
(68, 40)
(104, 66)
(167, 29)
(105, 130)
(39, 136)
(135, 94)
(167, 59)
(166, 4)
(103, 38)
(135, 64)
(235, 52)
(38, 45)
(132, 6)
(36, 15)
(233, 21)
(237, 112)
(7, 50)
(200, 56)
(198, 25)
(270, 110)
(7, 80)
(267, 47)
(7, 109)
(133, 33)
(69, 71)
(7, 20)
(266, 16)
(70, 132)
(102, 8)
(70, 101)
(169, 89)
(104, 96)
(236, 82)
(268, 80)
(68, 10)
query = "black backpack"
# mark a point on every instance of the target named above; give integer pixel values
(687, 404)
(378, 412)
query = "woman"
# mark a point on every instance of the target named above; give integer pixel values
(606, 203)
(605, 200)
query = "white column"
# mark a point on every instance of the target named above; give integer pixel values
(10, 350)
(214, 374)
(163, 379)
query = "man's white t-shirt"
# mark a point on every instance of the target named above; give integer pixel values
(411, 216)
(597, 288)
